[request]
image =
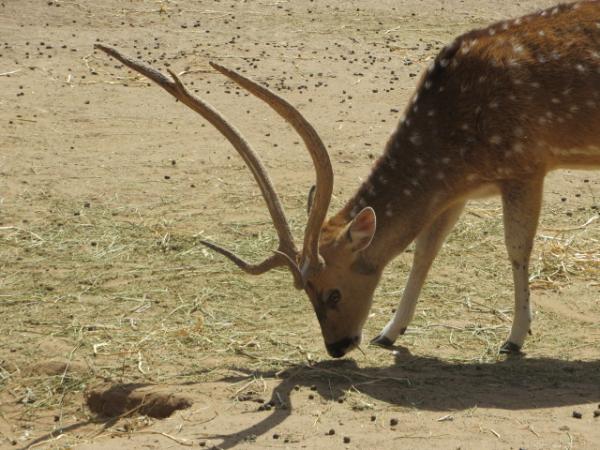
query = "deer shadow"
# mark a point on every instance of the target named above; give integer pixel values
(432, 384)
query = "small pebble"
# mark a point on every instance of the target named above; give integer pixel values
(276, 436)
(394, 422)
(577, 415)
(331, 432)
(346, 439)
(597, 413)
(373, 418)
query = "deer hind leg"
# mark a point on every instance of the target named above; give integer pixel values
(521, 203)
(427, 245)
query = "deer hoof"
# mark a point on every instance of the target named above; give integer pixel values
(508, 348)
(382, 341)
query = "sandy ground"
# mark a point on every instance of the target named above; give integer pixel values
(109, 306)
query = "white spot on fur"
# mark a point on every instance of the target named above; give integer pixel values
(518, 48)
(518, 147)
(496, 139)
(407, 192)
(419, 161)
(541, 33)
(494, 104)
(415, 138)
(535, 85)
(555, 100)
(427, 84)
(512, 62)
(445, 160)
(444, 62)
(491, 32)
(440, 175)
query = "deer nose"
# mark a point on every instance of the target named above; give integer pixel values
(341, 347)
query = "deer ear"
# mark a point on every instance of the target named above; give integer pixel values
(362, 229)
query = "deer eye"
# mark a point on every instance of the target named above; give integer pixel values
(333, 298)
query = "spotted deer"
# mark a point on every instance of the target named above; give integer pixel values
(496, 110)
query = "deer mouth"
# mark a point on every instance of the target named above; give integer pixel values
(343, 346)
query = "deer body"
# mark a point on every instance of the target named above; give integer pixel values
(497, 110)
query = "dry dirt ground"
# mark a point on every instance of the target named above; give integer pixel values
(119, 330)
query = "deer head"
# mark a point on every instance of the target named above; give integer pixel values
(329, 267)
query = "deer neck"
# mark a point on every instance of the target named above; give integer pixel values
(408, 187)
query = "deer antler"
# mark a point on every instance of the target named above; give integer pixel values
(287, 252)
(310, 261)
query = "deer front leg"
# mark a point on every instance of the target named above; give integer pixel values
(427, 246)
(521, 203)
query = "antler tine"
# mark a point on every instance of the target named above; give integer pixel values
(310, 260)
(287, 251)
(278, 259)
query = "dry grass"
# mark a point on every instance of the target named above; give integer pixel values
(138, 300)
